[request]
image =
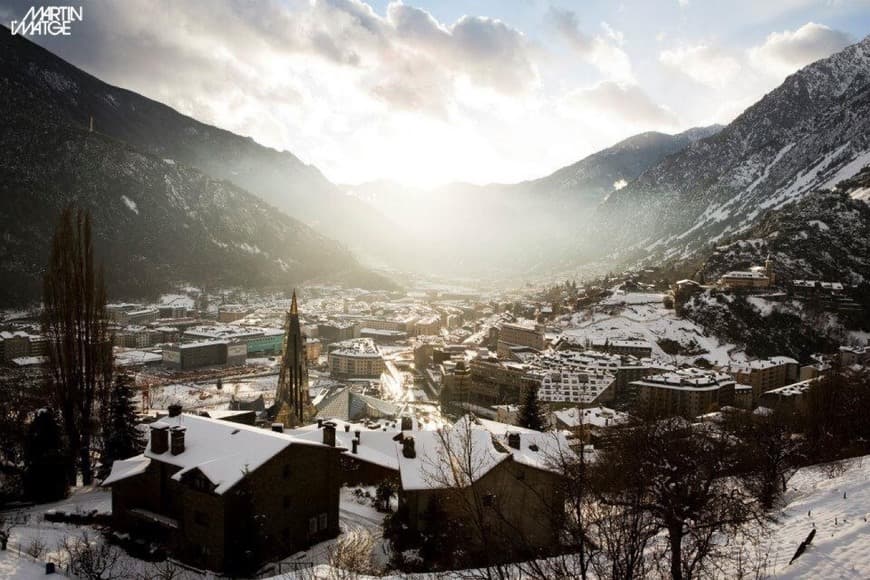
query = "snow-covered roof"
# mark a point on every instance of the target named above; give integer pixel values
(350, 406)
(124, 468)
(376, 447)
(28, 361)
(355, 347)
(438, 455)
(744, 275)
(687, 379)
(222, 450)
(762, 364)
(593, 416)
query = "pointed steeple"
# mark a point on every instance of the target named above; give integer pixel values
(292, 405)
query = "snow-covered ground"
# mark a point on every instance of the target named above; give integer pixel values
(43, 539)
(15, 566)
(621, 297)
(833, 499)
(837, 504)
(652, 322)
(208, 396)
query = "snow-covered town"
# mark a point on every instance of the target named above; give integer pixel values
(357, 289)
(295, 430)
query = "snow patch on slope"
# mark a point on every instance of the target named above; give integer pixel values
(130, 204)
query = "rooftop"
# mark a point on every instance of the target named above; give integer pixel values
(222, 451)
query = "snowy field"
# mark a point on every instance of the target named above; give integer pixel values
(838, 505)
(651, 322)
(207, 396)
(620, 297)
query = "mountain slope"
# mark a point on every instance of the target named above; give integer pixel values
(593, 177)
(155, 220)
(277, 177)
(825, 236)
(811, 132)
(527, 227)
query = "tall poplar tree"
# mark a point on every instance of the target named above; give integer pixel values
(76, 325)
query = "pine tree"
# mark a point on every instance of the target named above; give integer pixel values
(45, 461)
(530, 415)
(121, 438)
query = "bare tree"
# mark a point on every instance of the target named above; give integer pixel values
(75, 323)
(682, 476)
(352, 555)
(498, 521)
(458, 464)
(8, 521)
(771, 453)
(164, 570)
(92, 559)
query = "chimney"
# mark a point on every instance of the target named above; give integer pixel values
(319, 423)
(407, 424)
(514, 440)
(408, 450)
(174, 410)
(159, 438)
(357, 434)
(177, 439)
(329, 434)
(346, 427)
(278, 427)
(354, 445)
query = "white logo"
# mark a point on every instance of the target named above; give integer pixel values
(48, 21)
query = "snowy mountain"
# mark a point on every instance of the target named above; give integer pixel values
(825, 236)
(156, 220)
(812, 132)
(593, 177)
(278, 177)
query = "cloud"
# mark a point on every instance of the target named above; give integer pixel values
(604, 51)
(626, 102)
(704, 64)
(782, 53)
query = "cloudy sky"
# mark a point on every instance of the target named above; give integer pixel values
(431, 91)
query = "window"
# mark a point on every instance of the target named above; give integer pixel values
(322, 521)
(312, 525)
(286, 471)
(200, 518)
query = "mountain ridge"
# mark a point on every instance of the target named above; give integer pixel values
(156, 220)
(809, 133)
(278, 177)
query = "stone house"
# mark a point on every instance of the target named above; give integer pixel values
(211, 489)
(507, 500)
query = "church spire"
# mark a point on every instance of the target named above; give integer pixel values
(292, 405)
